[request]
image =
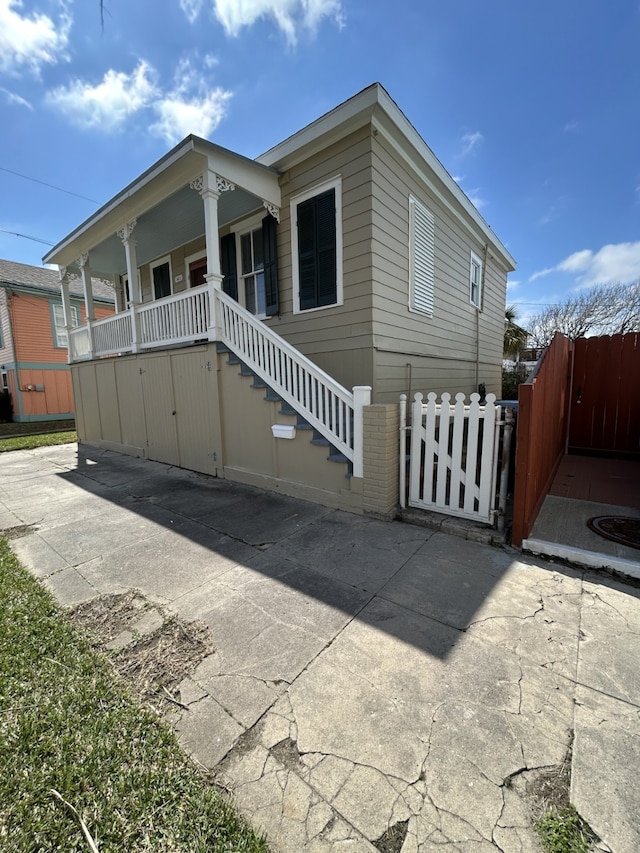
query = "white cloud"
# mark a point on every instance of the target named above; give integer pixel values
(570, 126)
(31, 41)
(512, 285)
(289, 15)
(109, 103)
(475, 198)
(192, 106)
(12, 98)
(470, 141)
(616, 262)
(191, 8)
(577, 262)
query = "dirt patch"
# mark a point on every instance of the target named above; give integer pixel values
(392, 840)
(18, 531)
(155, 664)
(108, 615)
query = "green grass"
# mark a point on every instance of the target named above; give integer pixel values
(68, 725)
(564, 831)
(27, 442)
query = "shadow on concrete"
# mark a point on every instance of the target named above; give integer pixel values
(424, 588)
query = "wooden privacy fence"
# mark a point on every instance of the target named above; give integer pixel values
(454, 452)
(605, 399)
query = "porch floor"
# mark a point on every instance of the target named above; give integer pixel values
(586, 486)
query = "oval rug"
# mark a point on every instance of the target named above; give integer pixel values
(618, 528)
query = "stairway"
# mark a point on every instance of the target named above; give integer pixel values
(270, 395)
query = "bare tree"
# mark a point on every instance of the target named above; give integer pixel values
(606, 309)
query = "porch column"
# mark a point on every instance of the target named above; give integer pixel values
(66, 308)
(87, 287)
(135, 291)
(210, 185)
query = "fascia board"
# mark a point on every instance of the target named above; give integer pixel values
(323, 132)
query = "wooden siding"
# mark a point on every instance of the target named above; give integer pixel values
(337, 339)
(442, 350)
(6, 341)
(32, 323)
(45, 392)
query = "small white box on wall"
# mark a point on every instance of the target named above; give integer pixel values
(283, 431)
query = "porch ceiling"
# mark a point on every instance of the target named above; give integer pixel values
(173, 222)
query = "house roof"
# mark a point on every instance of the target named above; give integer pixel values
(47, 281)
(374, 105)
(166, 184)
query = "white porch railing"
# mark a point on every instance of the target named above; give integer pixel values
(327, 406)
(177, 319)
(331, 409)
(454, 452)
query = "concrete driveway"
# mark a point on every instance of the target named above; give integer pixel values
(373, 685)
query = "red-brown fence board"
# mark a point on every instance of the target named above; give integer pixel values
(605, 402)
(541, 434)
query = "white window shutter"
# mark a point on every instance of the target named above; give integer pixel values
(422, 238)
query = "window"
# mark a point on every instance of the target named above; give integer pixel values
(60, 338)
(421, 257)
(252, 272)
(196, 270)
(161, 277)
(475, 281)
(4, 380)
(317, 247)
(249, 266)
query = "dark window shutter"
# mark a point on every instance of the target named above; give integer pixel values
(270, 249)
(317, 250)
(161, 281)
(228, 265)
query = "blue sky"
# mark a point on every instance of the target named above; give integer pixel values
(533, 107)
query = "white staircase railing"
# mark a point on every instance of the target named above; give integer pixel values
(327, 406)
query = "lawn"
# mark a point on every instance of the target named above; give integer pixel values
(24, 436)
(83, 766)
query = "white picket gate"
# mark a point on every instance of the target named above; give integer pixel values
(454, 452)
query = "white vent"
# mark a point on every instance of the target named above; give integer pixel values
(421, 246)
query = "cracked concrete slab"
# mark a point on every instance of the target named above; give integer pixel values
(372, 686)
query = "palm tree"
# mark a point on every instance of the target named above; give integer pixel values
(515, 337)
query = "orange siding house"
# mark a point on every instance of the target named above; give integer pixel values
(33, 339)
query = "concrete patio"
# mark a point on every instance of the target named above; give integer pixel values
(373, 685)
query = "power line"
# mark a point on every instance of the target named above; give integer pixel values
(51, 186)
(26, 237)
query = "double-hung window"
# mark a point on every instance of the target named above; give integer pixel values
(475, 281)
(60, 337)
(421, 257)
(317, 247)
(249, 265)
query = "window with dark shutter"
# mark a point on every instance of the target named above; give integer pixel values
(228, 265)
(270, 249)
(161, 280)
(317, 250)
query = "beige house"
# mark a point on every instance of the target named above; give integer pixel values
(271, 311)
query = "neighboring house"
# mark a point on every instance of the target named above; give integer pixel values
(33, 339)
(345, 256)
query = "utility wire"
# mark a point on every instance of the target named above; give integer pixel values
(26, 237)
(51, 186)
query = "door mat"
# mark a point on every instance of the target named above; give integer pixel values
(617, 528)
